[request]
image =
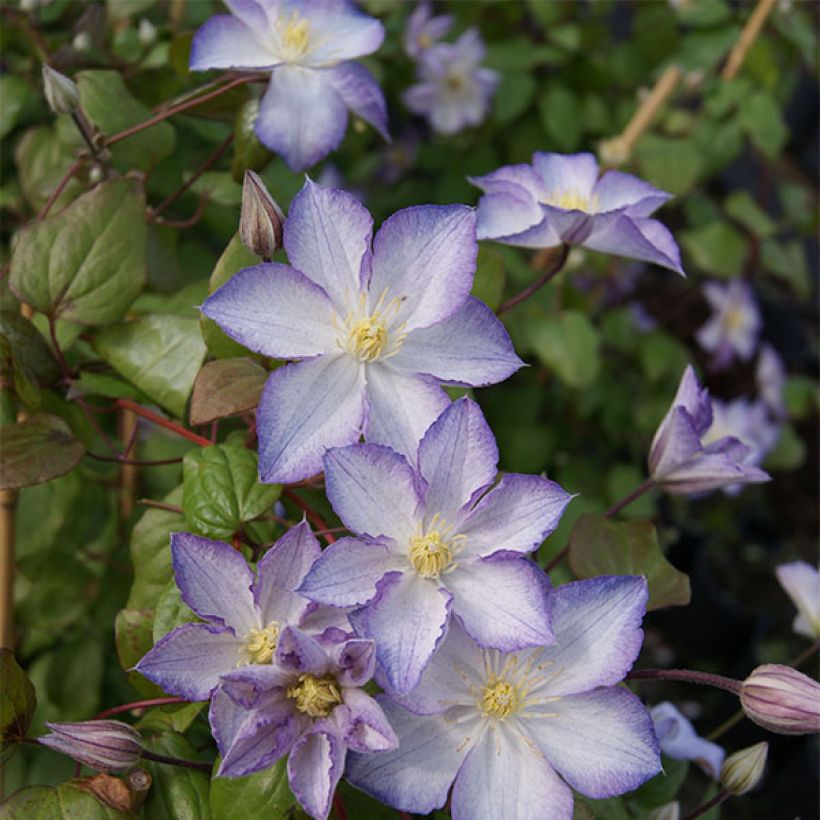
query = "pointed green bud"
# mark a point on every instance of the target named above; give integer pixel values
(261, 221)
(668, 811)
(62, 93)
(743, 770)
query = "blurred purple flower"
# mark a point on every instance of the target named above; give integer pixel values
(455, 90)
(680, 741)
(424, 29)
(307, 46)
(560, 199)
(501, 727)
(770, 375)
(801, 581)
(735, 323)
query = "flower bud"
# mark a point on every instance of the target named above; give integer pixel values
(146, 32)
(668, 811)
(260, 224)
(743, 770)
(104, 745)
(62, 93)
(782, 700)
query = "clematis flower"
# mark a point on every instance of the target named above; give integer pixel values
(501, 727)
(770, 375)
(243, 614)
(802, 584)
(309, 705)
(378, 328)
(735, 323)
(454, 89)
(680, 741)
(560, 199)
(682, 461)
(437, 540)
(782, 700)
(307, 46)
(104, 745)
(424, 29)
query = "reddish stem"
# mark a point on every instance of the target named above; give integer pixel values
(542, 280)
(191, 220)
(339, 806)
(137, 704)
(55, 194)
(688, 676)
(312, 516)
(163, 422)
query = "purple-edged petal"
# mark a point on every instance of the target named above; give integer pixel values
(502, 603)
(597, 625)
(472, 347)
(506, 211)
(370, 730)
(356, 661)
(301, 117)
(264, 738)
(711, 471)
(372, 489)
(274, 310)
(566, 173)
(300, 652)
(425, 256)
(603, 743)
(361, 94)
(305, 409)
(408, 620)
(315, 767)
(339, 31)
(522, 176)
(327, 237)
(679, 740)
(541, 235)
(280, 571)
(616, 190)
(225, 42)
(505, 776)
(347, 572)
(457, 457)
(676, 444)
(401, 407)
(571, 225)
(417, 776)
(257, 685)
(515, 516)
(215, 581)
(188, 661)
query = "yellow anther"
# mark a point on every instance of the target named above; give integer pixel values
(367, 338)
(260, 644)
(314, 696)
(295, 36)
(734, 319)
(430, 554)
(572, 200)
(499, 699)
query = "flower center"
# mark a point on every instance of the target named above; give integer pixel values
(295, 35)
(430, 554)
(499, 699)
(572, 200)
(365, 334)
(734, 319)
(367, 338)
(314, 696)
(260, 644)
(455, 81)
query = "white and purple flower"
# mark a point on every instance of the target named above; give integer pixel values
(455, 90)
(559, 199)
(307, 46)
(770, 376)
(501, 727)
(734, 326)
(309, 705)
(437, 539)
(684, 459)
(424, 29)
(377, 328)
(680, 741)
(801, 582)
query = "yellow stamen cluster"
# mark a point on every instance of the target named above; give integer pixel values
(365, 335)
(367, 338)
(260, 644)
(295, 32)
(572, 200)
(316, 697)
(734, 319)
(499, 699)
(430, 554)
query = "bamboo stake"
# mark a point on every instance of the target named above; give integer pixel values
(8, 504)
(747, 37)
(128, 476)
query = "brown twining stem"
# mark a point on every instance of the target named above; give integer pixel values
(175, 761)
(160, 421)
(129, 428)
(709, 804)
(312, 516)
(137, 704)
(688, 676)
(134, 462)
(159, 505)
(552, 271)
(747, 37)
(55, 194)
(191, 220)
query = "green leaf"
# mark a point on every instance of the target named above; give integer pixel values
(787, 260)
(741, 207)
(716, 248)
(17, 97)
(789, 452)
(265, 793)
(91, 383)
(74, 677)
(133, 637)
(488, 284)
(599, 546)
(171, 612)
(68, 801)
(226, 387)
(568, 344)
(760, 118)
(36, 450)
(177, 717)
(664, 787)
(28, 347)
(160, 354)
(111, 107)
(670, 163)
(513, 96)
(221, 489)
(176, 793)
(248, 152)
(42, 159)
(559, 109)
(87, 263)
(17, 704)
(662, 355)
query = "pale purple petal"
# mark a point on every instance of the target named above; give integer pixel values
(603, 743)
(505, 776)
(302, 653)
(572, 225)
(508, 178)
(417, 776)
(315, 767)
(424, 257)
(616, 190)
(301, 116)
(339, 31)
(515, 516)
(274, 310)
(251, 12)
(564, 173)
(506, 211)
(502, 603)
(676, 444)
(457, 456)
(372, 489)
(225, 42)
(361, 94)
(280, 571)
(305, 409)
(598, 635)
(264, 738)
(327, 237)
(215, 581)
(801, 581)
(355, 660)
(679, 740)
(370, 730)
(711, 471)
(472, 348)
(541, 235)
(188, 661)
(258, 685)
(401, 407)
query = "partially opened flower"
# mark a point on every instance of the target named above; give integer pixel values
(243, 613)
(307, 46)
(454, 89)
(378, 328)
(802, 584)
(437, 539)
(424, 29)
(559, 199)
(501, 727)
(104, 745)
(680, 741)
(683, 460)
(734, 326)
(309, 705)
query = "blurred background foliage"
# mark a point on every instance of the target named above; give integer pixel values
(607, 340)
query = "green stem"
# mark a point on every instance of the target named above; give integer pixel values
(709, 804)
